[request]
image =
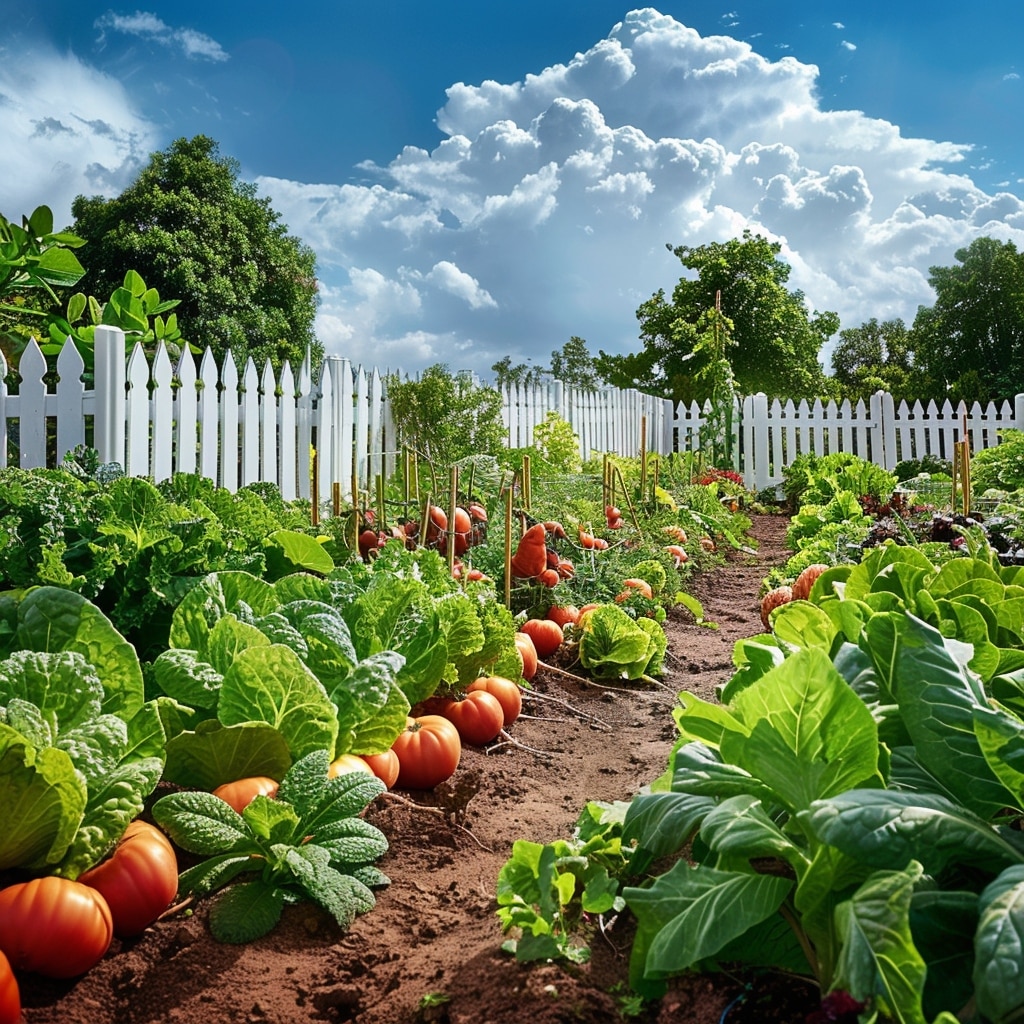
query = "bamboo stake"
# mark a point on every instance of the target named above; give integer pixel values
(643, 456)
(381, 510)
(336, 498)
(314, 509)
(508, 545)
(629, 503)
(453, 492)
(526, 482)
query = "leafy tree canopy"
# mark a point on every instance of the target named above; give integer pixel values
(775, 340)
(970, 343)
(574, 365)
(190, 228)
(876, 357)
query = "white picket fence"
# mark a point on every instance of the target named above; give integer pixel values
(156, 419)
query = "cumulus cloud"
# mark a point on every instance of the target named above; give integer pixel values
(69, 129)
(546, 209)
(192, 44)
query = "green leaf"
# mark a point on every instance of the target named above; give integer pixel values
(739, 827)
(59, 267)
(690, 913)
(887, 829)
(203, 823)
(245, 911)
(809, 734)
(214, 754)
(181, 675)
(999, 947)
(43, 799)
(288, 551)
(879, 960)
(271, 685)
(343, 896)
(937, 703)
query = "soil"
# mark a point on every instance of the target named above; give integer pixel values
(430, 950)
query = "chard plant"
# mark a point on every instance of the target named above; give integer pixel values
(307, 843)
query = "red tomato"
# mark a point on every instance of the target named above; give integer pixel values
(10, 997)
(478, 716)
(385, 766)
(528, 652)
(563, 614)
(346, 764)
(510, 697)
(54, 926)
(428, 752)
(547, 636)
(240, 794)
(138, 880)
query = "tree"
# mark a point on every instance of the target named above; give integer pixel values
(776, 340)
(505, 374)
(190, 228)
(446, 418)
(876, 357)
(970, 343)
(573, 365)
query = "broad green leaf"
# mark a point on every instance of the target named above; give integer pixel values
(887, 829)
(226, 640)
(662, 823)
(690, 913)
(999, 947)
(803, 624)
(739, 827)
(180, 674)
(203, 823)
(968, 625)
(879, 960)
(1001, 739)
(213, 754)
(244, 595)
(809, 734)
(937, 702)
(271, 685)
(702, 720)
(288, 551)
(59, 267)
(43, 799)
(53, 619)
(943, 924)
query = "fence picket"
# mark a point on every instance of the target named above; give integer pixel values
(157, 419)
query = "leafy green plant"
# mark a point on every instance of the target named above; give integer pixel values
(308, 843)
(1001, 466)
(614, 646)
(80, 750)
(548, 892)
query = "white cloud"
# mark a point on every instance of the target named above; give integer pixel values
(68, 129)
(847, 45)
(145, 25)
(546, 211)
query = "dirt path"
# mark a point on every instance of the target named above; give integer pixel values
(434, 937)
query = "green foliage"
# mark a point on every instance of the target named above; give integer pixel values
(876, 357)
(79, 749)
(555, 448)
(35, 257)
(574, 366)
(614, 646)
(970, 343)
(776, 340)
(547, 892)
(308, 843)
(1002, 466)
(191, 228)
(816, 479)
(446, 417)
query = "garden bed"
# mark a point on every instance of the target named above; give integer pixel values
(430, 950)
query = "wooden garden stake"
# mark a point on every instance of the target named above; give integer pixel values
(643, 456)
(526, 482)
(336, 498)
(314, 505)
(508, 547)
(453, 496)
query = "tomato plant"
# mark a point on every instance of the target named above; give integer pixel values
(509, 696)
(10, 997)
(385, 766)
(428, 752)
(138, 880)
(240, 793)
(346, 763)
(478, 716)
(547, 636)
(54, 926)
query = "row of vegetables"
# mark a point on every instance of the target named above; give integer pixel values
(280, 705)
(850, 810)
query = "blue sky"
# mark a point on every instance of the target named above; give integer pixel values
(484, 179)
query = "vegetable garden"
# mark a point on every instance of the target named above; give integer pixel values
(513, 748)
